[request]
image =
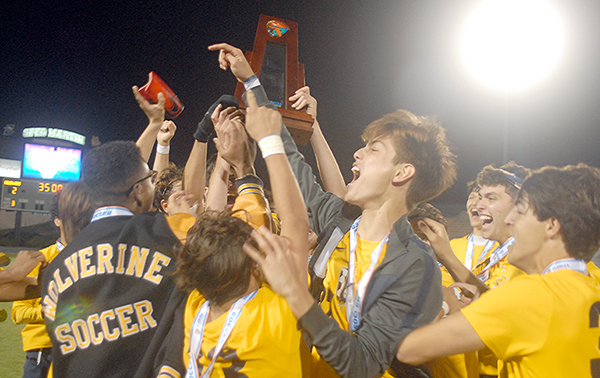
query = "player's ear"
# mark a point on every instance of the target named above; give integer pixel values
(553, 228)
(404, 173)
(164, 205)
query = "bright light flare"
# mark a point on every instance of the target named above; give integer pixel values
(512, 44)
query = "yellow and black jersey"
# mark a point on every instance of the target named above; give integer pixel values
(265, 341)
(542, 325)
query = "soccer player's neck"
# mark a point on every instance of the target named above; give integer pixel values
(377, 222)
(218, 310)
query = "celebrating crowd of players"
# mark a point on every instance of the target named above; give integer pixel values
(214, 284)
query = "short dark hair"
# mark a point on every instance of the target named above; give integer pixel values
(420, 141)
(213, 261)
(75, 209)
(109, 170)
(571, 195)
(164, 184)
(472, 187)
(492, 176)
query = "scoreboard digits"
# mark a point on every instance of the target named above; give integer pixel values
(28, 195)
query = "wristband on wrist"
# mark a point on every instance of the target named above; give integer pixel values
(446, 308)
(251, 82)
(271, 145)
(163, 150)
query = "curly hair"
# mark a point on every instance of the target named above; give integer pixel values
(420, 141)
(492, 176)
(571, 195)
(213, 261)
(165, 183)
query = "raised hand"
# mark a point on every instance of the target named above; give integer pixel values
(166, 133)
(154, 112)
(303, 98)
(232, 140)
(261, 121)
(232, 57)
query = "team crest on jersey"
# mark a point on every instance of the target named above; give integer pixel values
(231, 364)
(340, 290)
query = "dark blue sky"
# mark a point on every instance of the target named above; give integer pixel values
(71, 65)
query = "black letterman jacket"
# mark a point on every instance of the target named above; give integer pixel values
(404, 292)
(107, 317)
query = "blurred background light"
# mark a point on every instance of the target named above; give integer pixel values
(511, 45)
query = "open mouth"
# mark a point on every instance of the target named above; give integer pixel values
(356, 173)
(486, 219)
(474, 213)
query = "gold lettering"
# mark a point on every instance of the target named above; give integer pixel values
(96, 337)
(71, 264)
(137, 260)
(110, 335)
(61, 333)
(84, 262)
(105, 254)
(49, 308)
(61, 285)
(81, 333)
(121, 264)
(124, 320)
(143, 311)
(159, 261)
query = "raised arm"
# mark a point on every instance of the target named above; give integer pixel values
(264, 125)
(440, 243)
(156, 116)
(216, 198)
(329, 170)
(163, 145)
(324, 206)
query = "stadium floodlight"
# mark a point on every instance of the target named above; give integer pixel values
(512, 44)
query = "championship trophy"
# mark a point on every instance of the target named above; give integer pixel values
(274, 59)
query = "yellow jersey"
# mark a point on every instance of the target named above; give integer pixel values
(264, 342)
(542, 325)
(464, 365)
(335, 285)
(30, 312)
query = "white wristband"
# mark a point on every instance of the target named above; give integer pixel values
(163, 150)
(271, 145)
(446, 308)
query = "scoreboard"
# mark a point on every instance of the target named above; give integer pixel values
(28, 195)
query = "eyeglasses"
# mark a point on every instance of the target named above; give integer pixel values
(149, 175)
(512, 179)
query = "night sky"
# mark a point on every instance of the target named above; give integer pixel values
(71, 65)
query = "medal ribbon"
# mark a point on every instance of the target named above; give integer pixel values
(110, 211)
(470, 249)
(197, 332)
(572, 264)
(497, 255)
(354, 301)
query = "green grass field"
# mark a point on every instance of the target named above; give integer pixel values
(11, 345)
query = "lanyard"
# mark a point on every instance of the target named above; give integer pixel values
(197, 333)
(497, 255)
(569, 263)
(354, 303)
(470, 249)
(110, 211)
(59, 246)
